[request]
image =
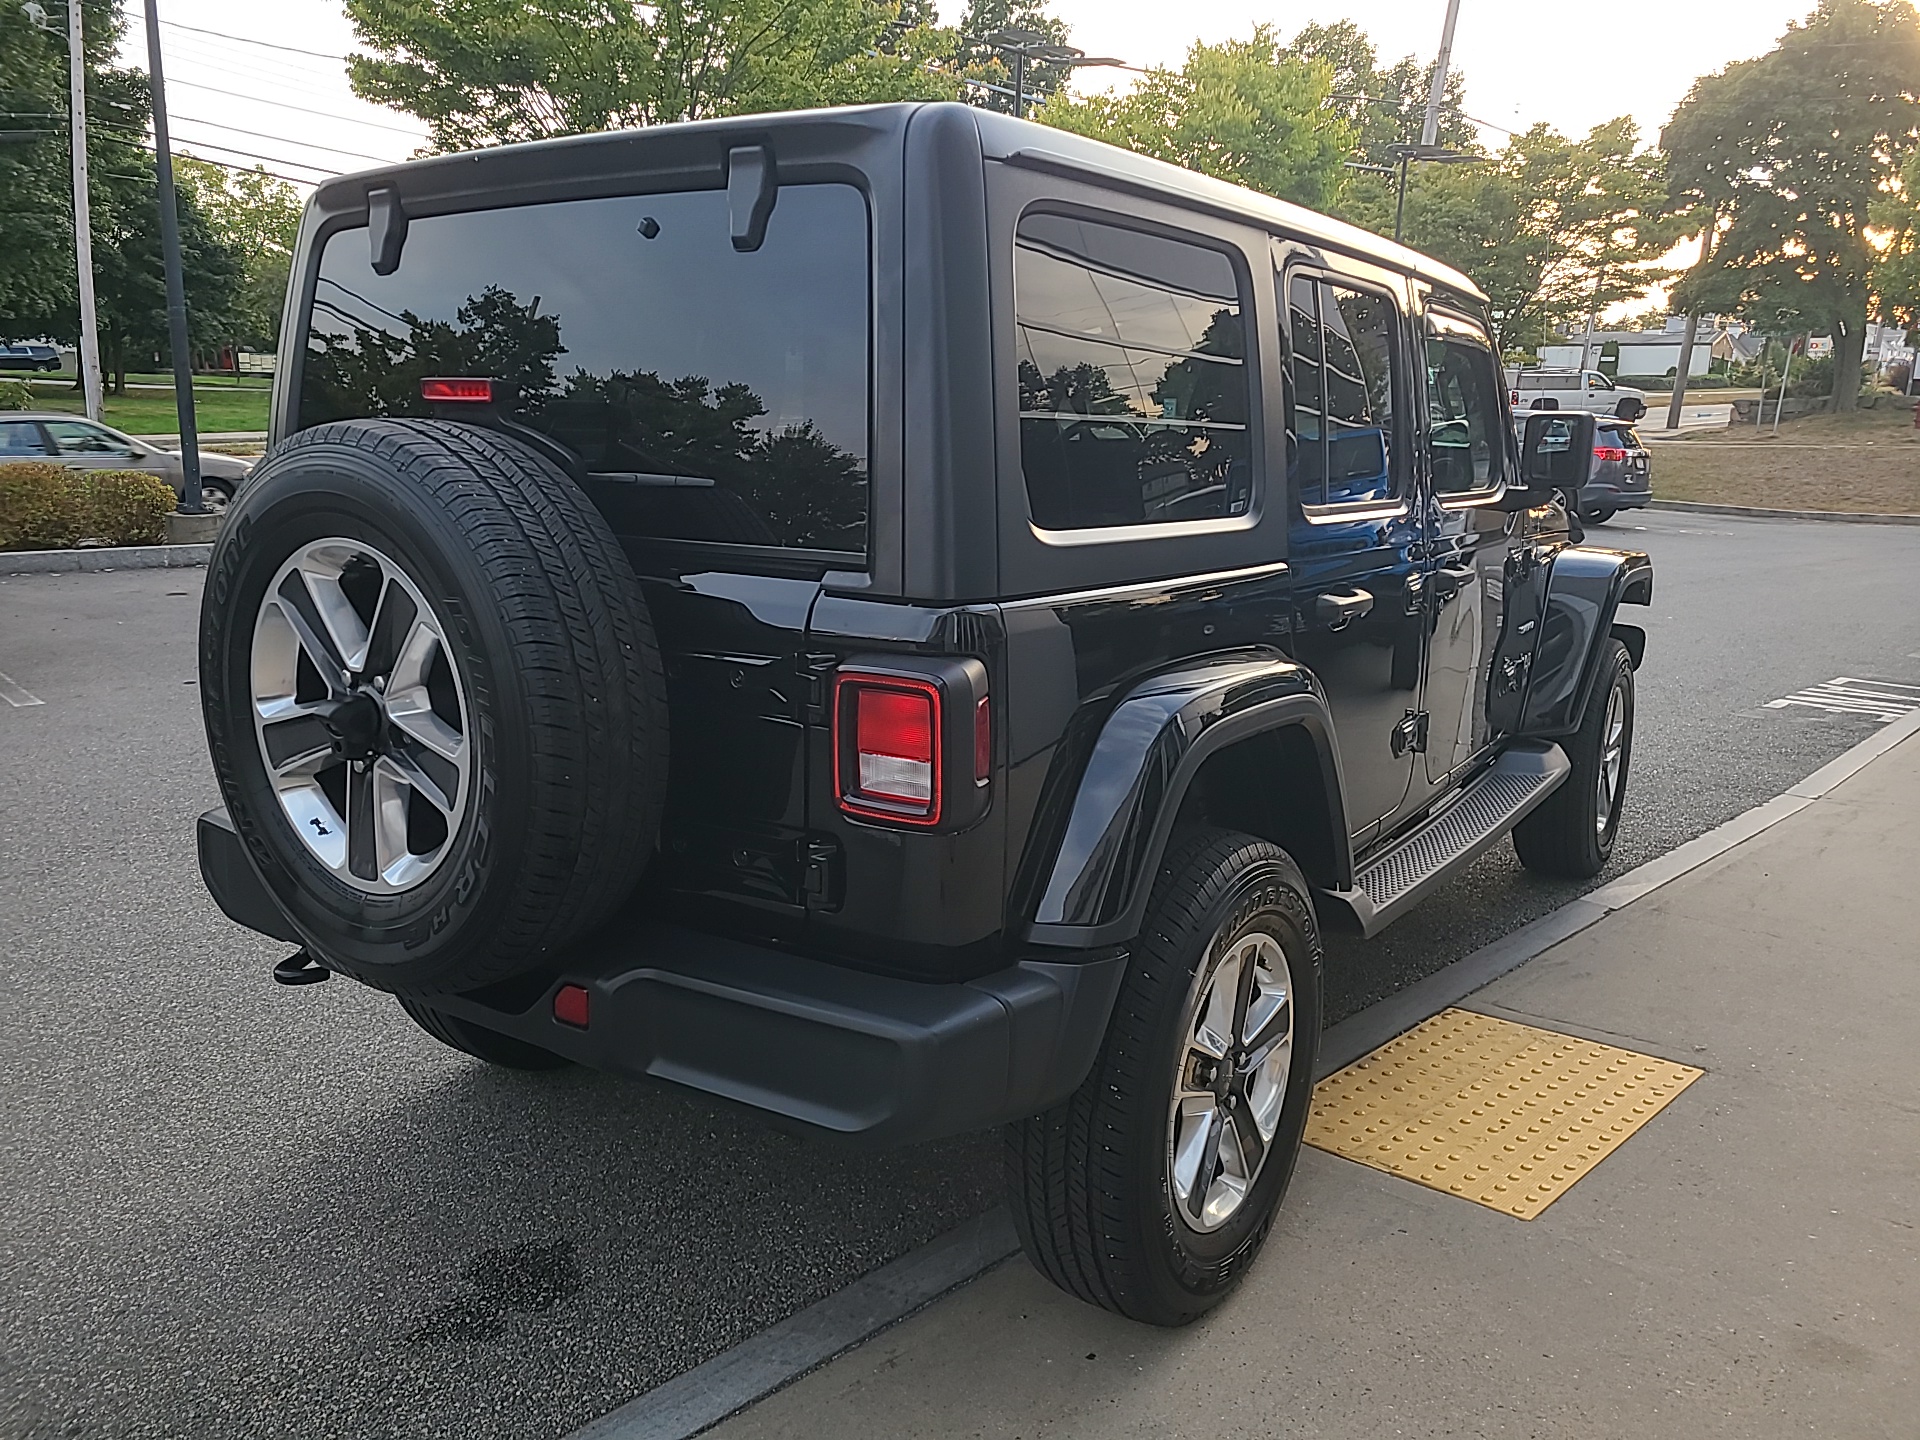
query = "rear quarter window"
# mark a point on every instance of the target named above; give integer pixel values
(718, 396)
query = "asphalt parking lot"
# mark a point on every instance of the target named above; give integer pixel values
(241, 1210)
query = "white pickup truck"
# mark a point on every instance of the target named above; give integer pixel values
(1574, 390)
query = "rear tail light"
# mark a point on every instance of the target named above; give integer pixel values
(1609, 452)
(887, 761)
(912, 739)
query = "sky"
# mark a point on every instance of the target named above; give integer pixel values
(235, 99)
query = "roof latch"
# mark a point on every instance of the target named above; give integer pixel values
(386, 229)
(751, 189)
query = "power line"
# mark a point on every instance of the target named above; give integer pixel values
(245, 40)
(283, 140)
(302, 109)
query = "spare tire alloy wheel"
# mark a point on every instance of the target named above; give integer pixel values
(434, 702)
(361, 715)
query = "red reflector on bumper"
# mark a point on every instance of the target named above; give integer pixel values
(570, 1005)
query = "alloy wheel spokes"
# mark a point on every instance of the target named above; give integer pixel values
(360, 715)
(1613, 748)
(1232, 1080)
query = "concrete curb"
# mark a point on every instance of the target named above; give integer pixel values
(1754, 512)
(104, 557)
(781, 1354)
(776, 1357)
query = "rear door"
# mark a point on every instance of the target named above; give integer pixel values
(715, 401)
(1355, 538)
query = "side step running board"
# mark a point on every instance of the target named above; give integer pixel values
(1399, 877)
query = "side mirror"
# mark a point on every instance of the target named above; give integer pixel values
(1556, 449)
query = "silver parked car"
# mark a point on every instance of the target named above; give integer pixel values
(88, 445)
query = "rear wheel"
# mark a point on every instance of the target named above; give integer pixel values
(480, 1042)
(1571, 835)
(1597, 514)
(1151, 1190)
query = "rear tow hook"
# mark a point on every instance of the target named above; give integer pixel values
(300, 968)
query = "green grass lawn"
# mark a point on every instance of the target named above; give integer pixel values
(217, 408)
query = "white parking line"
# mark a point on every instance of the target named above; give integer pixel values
(1882, 700)
(16, 695)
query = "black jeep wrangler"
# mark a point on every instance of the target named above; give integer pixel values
(905, 620)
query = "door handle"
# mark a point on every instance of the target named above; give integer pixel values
(1455, 578)
(1339, 609)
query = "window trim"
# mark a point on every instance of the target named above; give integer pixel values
(1440, 321)
(1100, 535)
(1345, 512)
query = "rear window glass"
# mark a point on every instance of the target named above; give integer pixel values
(718, 396)
(1622, 436)
(1133, 382)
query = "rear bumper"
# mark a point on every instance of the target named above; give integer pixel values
(806, 1042)
(1617, 495)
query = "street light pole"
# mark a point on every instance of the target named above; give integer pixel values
(191, 500)
(1430, 130)
(82, 213)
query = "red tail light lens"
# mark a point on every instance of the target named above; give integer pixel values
(886, 747)
(471, 390)
(1609, 452)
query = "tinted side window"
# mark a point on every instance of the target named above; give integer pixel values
(75, 437)
(21, 437)
(1133, 382)
(722, 396)
(1343, 401)
(1463, 422)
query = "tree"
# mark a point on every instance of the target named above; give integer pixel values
(1244, 111)
(257, 218)
(1384, 108)
(1552, 229)
(38, 281)
(483, 72)
(1799, 149)
(975, 60)
(1896, 274)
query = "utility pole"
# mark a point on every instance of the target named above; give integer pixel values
(191, 500)
(1430, 131)
(82, 213)
(1684, 370)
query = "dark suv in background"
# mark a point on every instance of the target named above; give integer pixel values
(904, 620)
(1622, 476)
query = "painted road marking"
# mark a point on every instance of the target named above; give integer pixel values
(17, 696)
(1505, 1115)
(1881, 700)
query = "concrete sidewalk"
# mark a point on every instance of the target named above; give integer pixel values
(1745, 1265)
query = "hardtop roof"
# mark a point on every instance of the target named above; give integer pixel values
(1002, 138)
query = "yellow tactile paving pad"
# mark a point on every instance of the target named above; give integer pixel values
(1505, 1115)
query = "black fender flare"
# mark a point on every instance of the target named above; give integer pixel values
(1585, 587)
(1139, 769)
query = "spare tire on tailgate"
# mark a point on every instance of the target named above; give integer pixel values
(433, 699)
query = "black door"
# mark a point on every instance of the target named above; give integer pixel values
(1355, 544)
(1484, 586)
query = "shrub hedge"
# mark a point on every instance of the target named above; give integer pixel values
(44, 506)
(15, 394)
